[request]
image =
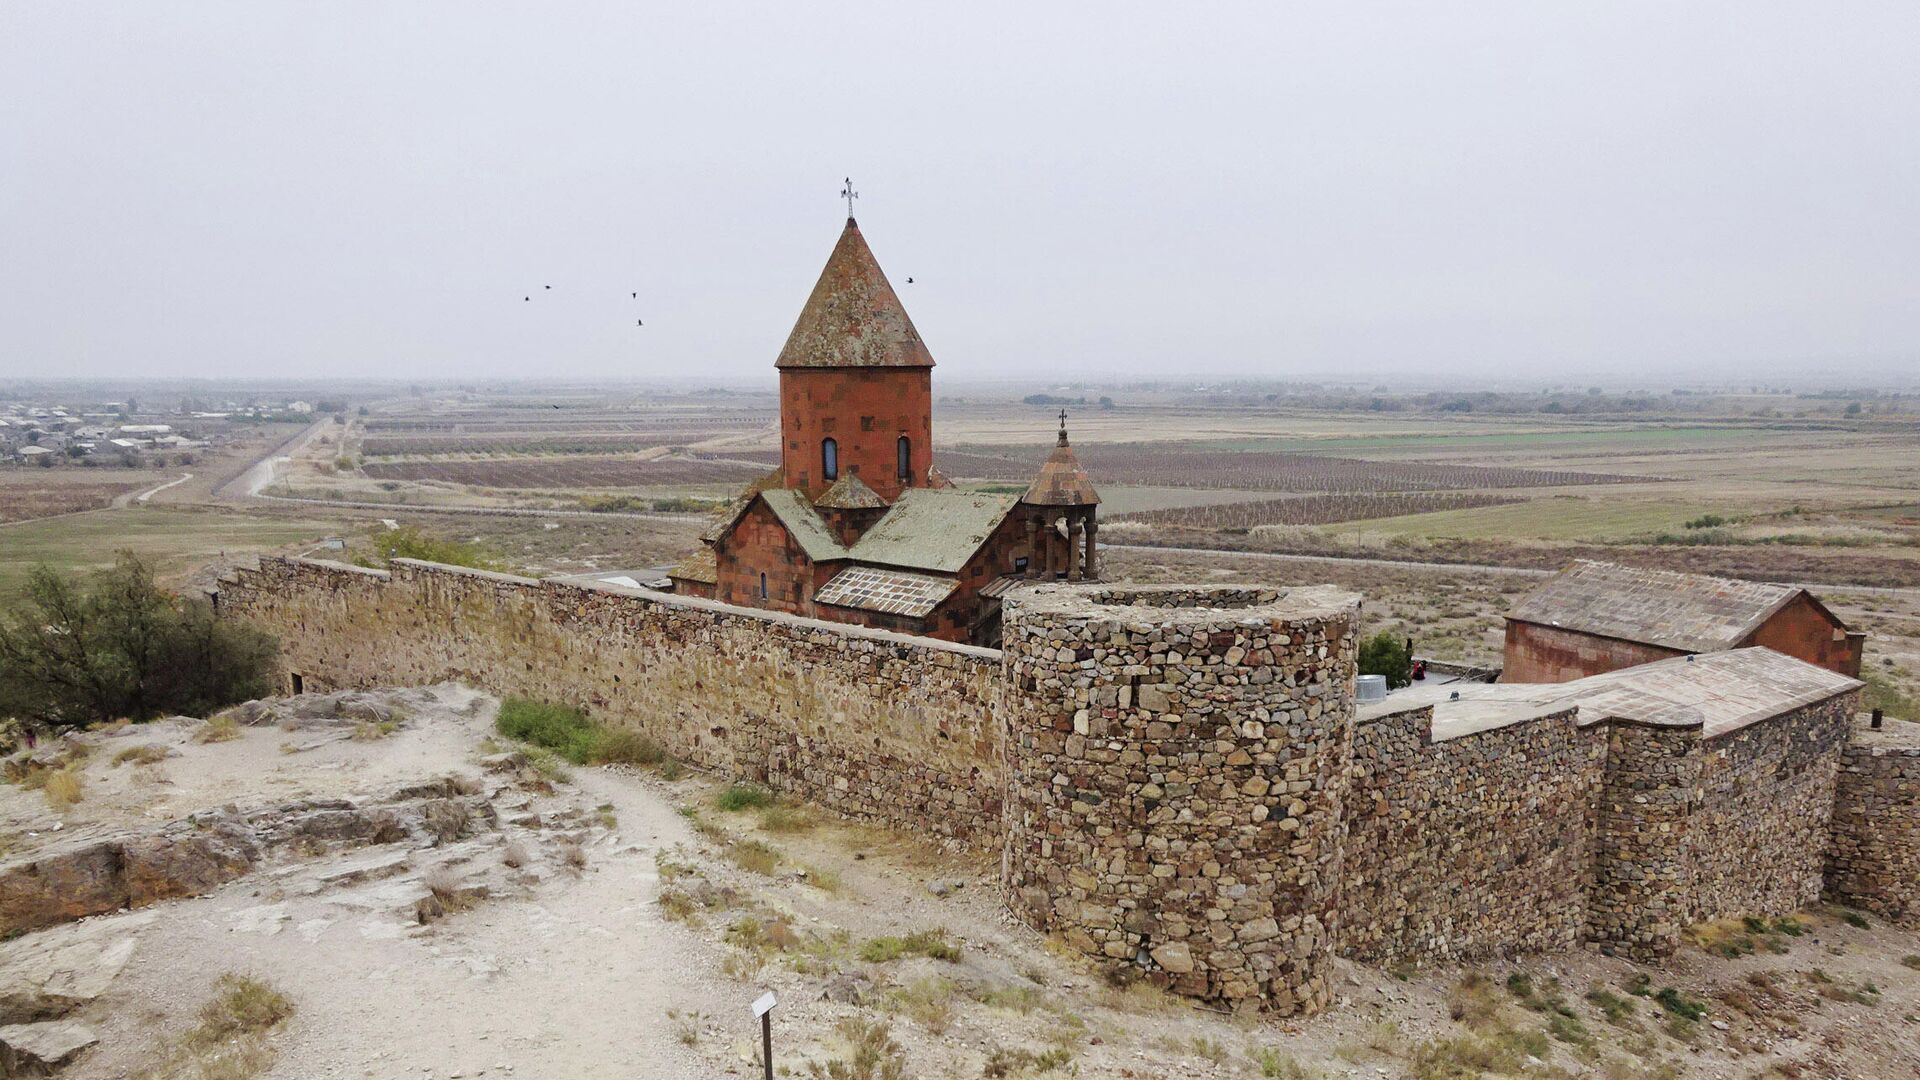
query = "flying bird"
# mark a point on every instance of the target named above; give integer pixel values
(909, 281)
(526, 298)
(639, 322)
(549, 286)
(636, 296)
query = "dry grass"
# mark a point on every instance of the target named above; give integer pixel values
(218, 729)
(144, 754)
(448, 891)
(229, 1042)
(372, 730)
(928, 1002)
(515, 855)
(63, 787)
(871, 1054)
(929, 943)
(754, 855)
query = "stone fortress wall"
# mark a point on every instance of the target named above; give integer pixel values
(1175, 776)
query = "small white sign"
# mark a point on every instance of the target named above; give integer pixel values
(764, 1005)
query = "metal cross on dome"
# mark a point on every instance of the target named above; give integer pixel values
(849, 194)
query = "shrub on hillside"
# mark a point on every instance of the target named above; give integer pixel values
(560, 728)
(76, 652)
(408, 542)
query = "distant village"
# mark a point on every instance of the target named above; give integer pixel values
(123, 434)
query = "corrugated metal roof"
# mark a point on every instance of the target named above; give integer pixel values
(1689, 612)
(805, 525)
(891, 592)
(933, 529)
(853, 317)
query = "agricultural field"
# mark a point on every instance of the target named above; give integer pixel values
(572, 472)
(38, 493)
(178, 541)
(1314, 509)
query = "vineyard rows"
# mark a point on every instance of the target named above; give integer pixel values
(1314, 509)
(541, 442)
(1264, 470)
(573, 472)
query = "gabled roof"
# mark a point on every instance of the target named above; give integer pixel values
(1688, 612)
(698, 566)
(853, 317)
(1063, 481)
(888, 591)
(933, 529)
(804, 524)
(731, 512)
(850, 493)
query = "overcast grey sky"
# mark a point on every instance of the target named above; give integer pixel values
(1295, 191)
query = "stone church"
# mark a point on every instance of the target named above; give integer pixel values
(856, 525)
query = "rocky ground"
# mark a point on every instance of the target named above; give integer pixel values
(433, 904)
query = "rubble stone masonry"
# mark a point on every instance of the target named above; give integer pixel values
(1175, 776)
(1470, 846)
(1174, 781)
(872, 724)
(1873, 857)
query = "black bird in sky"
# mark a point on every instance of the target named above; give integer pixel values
(549, 286)
(526, 298)
(909, 281)
(639, 322)
(636, 296)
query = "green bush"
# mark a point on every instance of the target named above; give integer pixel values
(408, 542)
(118, 646)
(743, 797)
(562, 729)
(1386, 653)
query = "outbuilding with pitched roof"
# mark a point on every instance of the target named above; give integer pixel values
(1595, 617)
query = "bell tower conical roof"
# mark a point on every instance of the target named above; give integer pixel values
(853, 317)
(1062, 480)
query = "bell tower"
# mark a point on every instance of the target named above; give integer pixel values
(856, 383)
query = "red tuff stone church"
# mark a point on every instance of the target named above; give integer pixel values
(856, 525)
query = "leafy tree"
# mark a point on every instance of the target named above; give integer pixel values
(1386, 653)
(74, 653)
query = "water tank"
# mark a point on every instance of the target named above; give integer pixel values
(1369, 688)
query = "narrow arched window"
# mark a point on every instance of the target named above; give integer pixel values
(903, 459)
(829, 459)
(763, 586)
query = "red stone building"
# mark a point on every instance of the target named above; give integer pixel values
(856, 525)
(1595, 617)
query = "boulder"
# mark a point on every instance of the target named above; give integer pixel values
(53, 972)
(39, 1049)
(68, 881)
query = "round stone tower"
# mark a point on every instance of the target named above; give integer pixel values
(1176, 765)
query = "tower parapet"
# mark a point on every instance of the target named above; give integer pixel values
(1176, 765)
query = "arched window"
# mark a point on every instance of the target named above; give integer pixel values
(763, 585)
(903, 459)
(829, 459)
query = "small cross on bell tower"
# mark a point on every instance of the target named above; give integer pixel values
(1063, 428)
(847, 193)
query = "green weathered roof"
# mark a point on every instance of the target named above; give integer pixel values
(805, 524)
(933, 529)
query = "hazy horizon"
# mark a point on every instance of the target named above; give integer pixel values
(1502, 192)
